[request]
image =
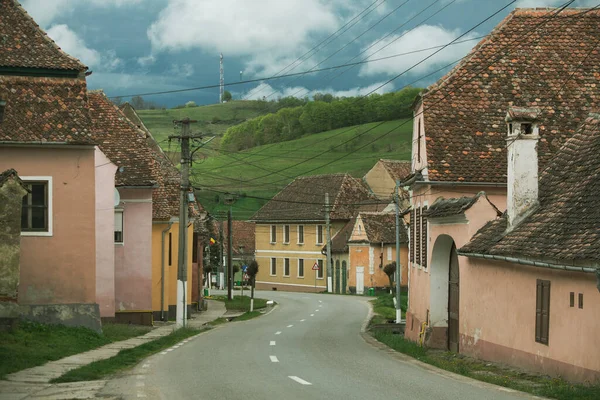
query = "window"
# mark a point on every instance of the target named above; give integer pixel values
(320, 270)
(542, 311)
(319, 234)
(273, 266)
(286, 267)
(286, 234)
(300, 234)
(2, 107)
(418, 223)
(419, 141)
(300, 268)
(273, 233)
(412, 237)
(170, 249)
(118, 226)
(580, 300)
(36, 211)
(572, 299)
(389, 253)
(195, 247)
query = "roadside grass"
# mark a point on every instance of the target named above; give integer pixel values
(31, 344)
(125, 359)
(241, 303)
(490, 372)
(383, 307)
(248, 315)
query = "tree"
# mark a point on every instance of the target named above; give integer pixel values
(252, 271)
(190, 104)
(227, 95)
(390, 270)
(138, 102)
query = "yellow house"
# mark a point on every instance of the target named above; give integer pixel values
(382, 177)
(290, 230)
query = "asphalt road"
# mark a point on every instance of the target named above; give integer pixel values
(308, 347)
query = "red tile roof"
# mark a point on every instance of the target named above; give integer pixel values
(566, 226)
(530, 60)
(397, 169)
(243, 235)
(123, 143)
(381, 228)
(23, 44)
(46, 110)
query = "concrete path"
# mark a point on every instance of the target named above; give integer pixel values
(33, 383)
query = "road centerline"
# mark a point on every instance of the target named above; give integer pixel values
(274, 359)
(299, 380)
(278, 333)
(289, 326)
(272, 343)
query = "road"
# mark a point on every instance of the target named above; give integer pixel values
(308, 347)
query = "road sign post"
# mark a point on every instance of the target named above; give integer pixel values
(316, 269)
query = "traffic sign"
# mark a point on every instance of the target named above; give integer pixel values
(315, 267)
(244, 268)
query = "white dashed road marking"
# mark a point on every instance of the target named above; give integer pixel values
(312, 315)
(140, 384)
(272, 343)
(278, 333)
(289, 326)
(273, 359)
(302, 320)
(299, 380)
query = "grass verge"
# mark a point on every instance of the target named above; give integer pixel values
(31, 344)
(383, 307)
(241, 303)
(490, 372)
(125, 358)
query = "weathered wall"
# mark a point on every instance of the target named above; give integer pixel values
(77, 315)
(310, 251)
(380, 181)
(105, 225)
(11, 197)
(367, 256)
(133, 258)
(61, 267)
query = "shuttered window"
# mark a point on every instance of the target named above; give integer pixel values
(424, 238)
(412, 236)
(542, 311)
(418, 236)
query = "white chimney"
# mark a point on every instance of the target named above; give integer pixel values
(522, 140)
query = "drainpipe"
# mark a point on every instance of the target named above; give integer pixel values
(532, 263)
(162, 271)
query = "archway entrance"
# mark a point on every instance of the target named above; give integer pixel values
(445, 294)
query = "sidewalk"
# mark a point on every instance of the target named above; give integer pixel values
(33, 383)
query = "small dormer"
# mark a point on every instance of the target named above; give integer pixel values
(521, 143)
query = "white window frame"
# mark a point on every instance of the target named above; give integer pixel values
(286, 234)
(317, 234)
(272, 230)
(298, 231)
(273, 263)
(286, 262)
(122, 212)
(389, 253)
(48, 180)
(303, 266)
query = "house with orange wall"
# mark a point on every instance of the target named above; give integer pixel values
(45, 135)
(460, 149)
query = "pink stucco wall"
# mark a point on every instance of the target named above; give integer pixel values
(105, 247)
(133, 258)
(60, 268)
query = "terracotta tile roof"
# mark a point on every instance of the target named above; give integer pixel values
(123, 143)
(304, 199)
(243, 235)
(566, 226)
(48, 110)
(447, 207)
(524, 62)
(339, 241)
(25, 45)
(398, 169)
(381, 228)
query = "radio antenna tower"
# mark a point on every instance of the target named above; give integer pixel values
(221, 81)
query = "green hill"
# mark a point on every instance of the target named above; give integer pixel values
(212, 119)
(241, 173)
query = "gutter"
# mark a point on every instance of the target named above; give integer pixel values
(39, 143)
(442, 183)
(162, 271)
(532, 263)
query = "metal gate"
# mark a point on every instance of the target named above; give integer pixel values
(453, 301)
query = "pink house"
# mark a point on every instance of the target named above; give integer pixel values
(486, 298)
(45, 136)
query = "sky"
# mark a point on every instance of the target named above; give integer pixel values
(141, 46)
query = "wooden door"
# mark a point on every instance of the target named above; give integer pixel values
(360, 280)
(453, 301)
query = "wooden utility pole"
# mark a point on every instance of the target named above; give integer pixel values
(221, 275)
(329, 263)
(398, 266)
(229, 256)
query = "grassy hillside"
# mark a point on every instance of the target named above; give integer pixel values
(212, 119)
(242, 173)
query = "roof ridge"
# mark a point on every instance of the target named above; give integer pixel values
(46, 37)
